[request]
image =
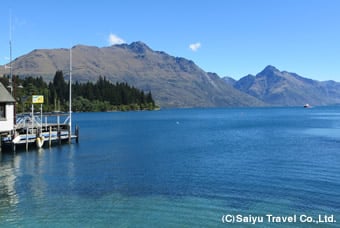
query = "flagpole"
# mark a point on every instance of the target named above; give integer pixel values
(10, 52)
(70, 92)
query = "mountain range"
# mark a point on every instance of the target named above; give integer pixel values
(176, 81)
(282, 88)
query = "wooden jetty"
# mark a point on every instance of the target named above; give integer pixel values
(33, 128)
(39, 130)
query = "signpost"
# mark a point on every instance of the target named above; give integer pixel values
(37, 99)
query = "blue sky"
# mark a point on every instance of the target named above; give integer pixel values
(229, 37)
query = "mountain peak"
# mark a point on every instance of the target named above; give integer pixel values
(270, 68)
(137, 47)
(268, 71)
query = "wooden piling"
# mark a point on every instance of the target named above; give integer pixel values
(26, 139)
(59, 136)
(69, 133)
(49, 137)
(77, 134)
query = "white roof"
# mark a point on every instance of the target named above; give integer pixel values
(5, 96)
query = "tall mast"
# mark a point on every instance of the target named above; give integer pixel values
(11, 82)
(70, 92)
(10, 52)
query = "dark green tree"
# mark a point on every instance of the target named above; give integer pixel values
(102, 95)
(60, 86)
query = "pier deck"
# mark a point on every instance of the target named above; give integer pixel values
(32, 131)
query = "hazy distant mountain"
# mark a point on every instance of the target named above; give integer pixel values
(174, 81)
(289, 89)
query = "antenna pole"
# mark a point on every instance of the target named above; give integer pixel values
(70, 92)
(11, 83)
(10, 53)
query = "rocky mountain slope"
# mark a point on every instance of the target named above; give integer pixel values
(283, 88)
(174, 81)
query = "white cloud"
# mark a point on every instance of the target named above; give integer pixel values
(114, 39)
(195, 46)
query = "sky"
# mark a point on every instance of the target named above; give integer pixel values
(229, 37)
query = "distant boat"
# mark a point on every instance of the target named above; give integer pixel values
(307, 106)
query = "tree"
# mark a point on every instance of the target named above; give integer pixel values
(99, 96)
(60, 86)
(149, 99)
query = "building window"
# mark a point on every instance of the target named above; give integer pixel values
(2, 111)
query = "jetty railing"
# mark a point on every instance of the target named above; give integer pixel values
(35, 128)
(41, 120)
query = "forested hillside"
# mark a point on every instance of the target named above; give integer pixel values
(99, 96)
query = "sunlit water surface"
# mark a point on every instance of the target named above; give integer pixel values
(179, 168)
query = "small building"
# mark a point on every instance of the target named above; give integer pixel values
(7, 103)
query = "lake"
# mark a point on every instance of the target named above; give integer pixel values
(181, 168)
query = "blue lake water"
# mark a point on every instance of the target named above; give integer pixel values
(179, 168)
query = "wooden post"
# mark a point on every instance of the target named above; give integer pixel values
(13, 144)
(37, 133)
(69, 133)
(58, 122)
(26, 139)
(49, 137)
(77, 134)
(59, 136)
